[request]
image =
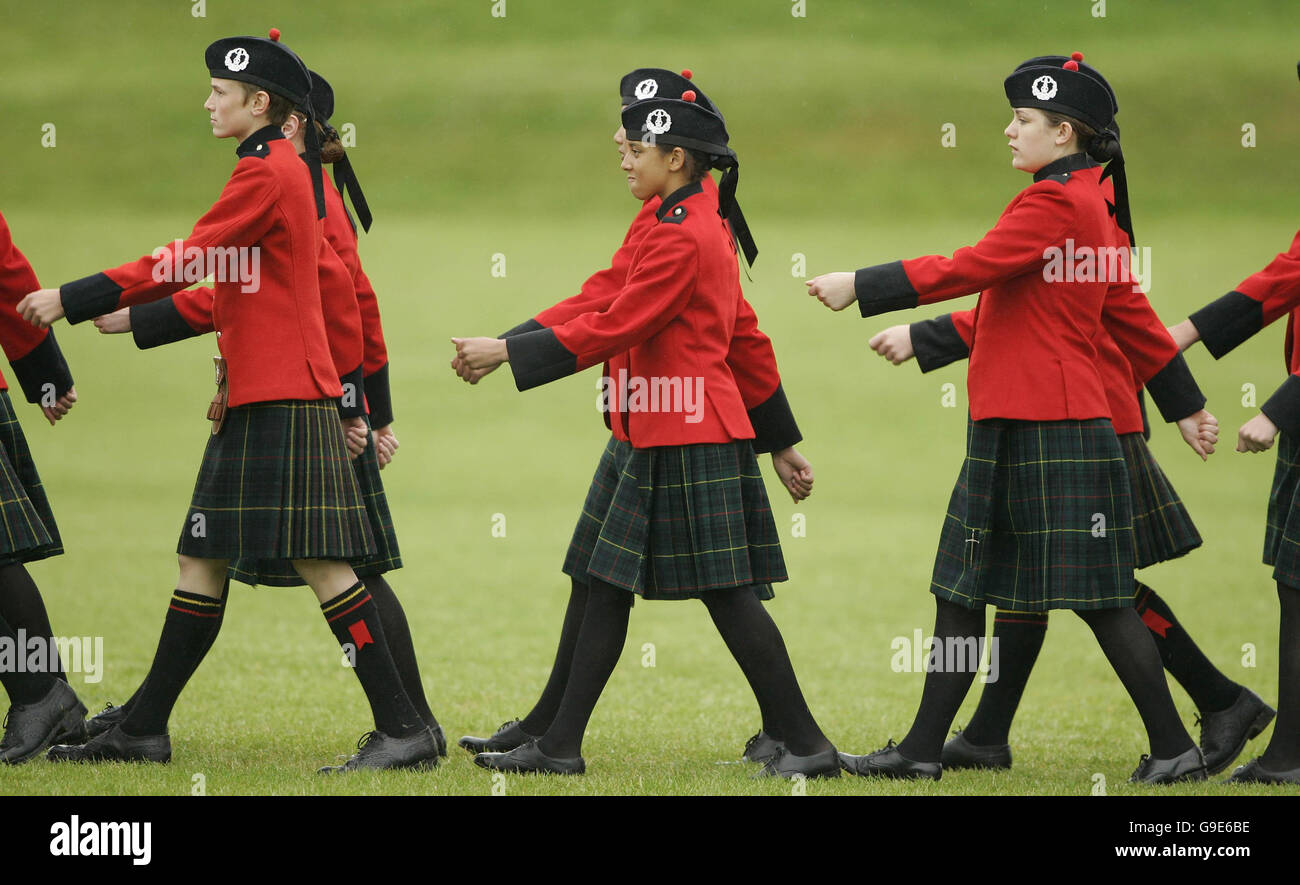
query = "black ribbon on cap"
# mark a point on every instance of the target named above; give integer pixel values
(1115, 168)
(730, 209)
(313, 158)
(347, 182)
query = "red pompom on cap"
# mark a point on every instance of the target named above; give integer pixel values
(686, 72)
(1071, 65)
(1077, 56)
(688, 95)
(274, 34)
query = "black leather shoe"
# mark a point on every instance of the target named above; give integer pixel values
(1188, 766)
(888, 762)
(104, 720)
(761, 747)
(1224, 734)
(786, 764)
(377, 750)
(30, 729)
(1254, 773)
(504, 739)
(961, 753)
(115, 745)
(439, 740)
(530, 758)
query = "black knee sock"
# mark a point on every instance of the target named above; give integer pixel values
(1209, 689)
(1132, 653)
(21, 605)
(191, 624)
(957, 632)
(600, 642)
(356, 623)
(540, 717)
(1283, 752)
(398, 633)
(1018, 639)
(21, 684)
(755, 642)
(207, 645)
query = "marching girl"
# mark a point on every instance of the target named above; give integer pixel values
(1259, 300)
(352, 327)
(1042, 457)
(1229, 713)
(275, 482)
(752, 363)
(43, 707)
(677, 508)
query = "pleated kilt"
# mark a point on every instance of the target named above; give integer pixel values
(276, 483)
(28, 532)
(674, 522)
(281, 573)
(1282, 534)
(1162, 527)
(1040, 518)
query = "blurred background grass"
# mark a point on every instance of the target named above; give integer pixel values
(479, 135)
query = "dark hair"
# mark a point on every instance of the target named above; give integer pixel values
(699, 162)
(1101, 146)
(279, 108)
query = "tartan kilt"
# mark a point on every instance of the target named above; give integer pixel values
(281, 573)
(276, 483)
(674, 522)
(1162, 528)
(28, 531)
(1024, 528)
(1282, 534)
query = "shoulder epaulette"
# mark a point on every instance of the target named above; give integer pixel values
(676, 216)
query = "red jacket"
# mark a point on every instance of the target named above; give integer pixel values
(33, 352)
(1033, 355)
(673, 321)
(273, 339)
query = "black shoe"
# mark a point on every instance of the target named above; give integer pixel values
(440, 740)
(961, 753)
(1255, 773)
(888, 762)
(1224, 734)
(32, 728)
(762, 747)
(377, 750)
(115, 745)
(506, 738)
(1188, 766)
(786, 764)
(104, 720)
(530, 758)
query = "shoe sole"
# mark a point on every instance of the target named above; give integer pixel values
(891, 775)
(976, 766)
(485, 748)
(418, 765)
(1256, 729)
(72, 720)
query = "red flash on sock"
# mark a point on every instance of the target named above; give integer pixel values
(361, 635)
(1155, 623)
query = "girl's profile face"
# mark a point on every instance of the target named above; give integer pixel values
(1034, 142)
(647, 169)
(228, 112)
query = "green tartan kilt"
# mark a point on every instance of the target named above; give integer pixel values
(1162, 527)
(674, 522)
(28, 532)
(276, 483)
(281, 573)
(1282, 534)
(1040, 518)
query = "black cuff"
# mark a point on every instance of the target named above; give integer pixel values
(538, 358)
(529, 326)
(1142, 408)
(1226, 322)
(774, 427)
(379, 399)
(883, 288)
(1283, 407)
(352, 404)
(89, 297)
(44, 366)
(158, 323)
(1175, 392)
(936, 343)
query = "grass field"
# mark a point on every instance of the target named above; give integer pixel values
(474, 142)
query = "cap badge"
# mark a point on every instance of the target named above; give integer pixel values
(647, 88)
(658, 122)
(237, 59)
(1044, 88)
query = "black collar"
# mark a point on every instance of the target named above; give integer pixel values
(676, 197)
(254, 143)
(1072, 163)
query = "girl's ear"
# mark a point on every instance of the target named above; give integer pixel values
(677, 160)
(1064, 132)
